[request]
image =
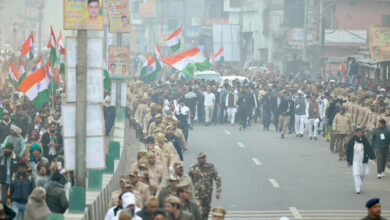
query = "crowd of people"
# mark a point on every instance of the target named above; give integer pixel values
(352, 119)
(32, 176)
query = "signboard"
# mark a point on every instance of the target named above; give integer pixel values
(95, 156)
(379, 39)
(83, 15)
(118, 62)
(297, 36)
(119, 16)
(346, 36)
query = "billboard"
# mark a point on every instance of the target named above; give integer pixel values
(379, 39)
(83, 15)
(119, 15)
(118, 62)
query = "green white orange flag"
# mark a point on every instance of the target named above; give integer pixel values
(28, 46)
(219, 56)
(53, 48)
(61, 54)
(13, 73)
(173, 40)
(144, 70)
(36, 87)
(22, 72)
(187, 62)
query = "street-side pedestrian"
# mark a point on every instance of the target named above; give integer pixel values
(381, 141)
(359, 151)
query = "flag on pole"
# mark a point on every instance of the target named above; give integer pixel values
(53, 48)
(158, 58)
(186, 62)
(219, 56)
(13, 73)
(36, 66)
(61, 54)
(343, 70)
(144, 70)
(212, 58)
(54, 79)
(36, 87)
(173, 40)
(152, 70)
(28, 46)
(22, 72)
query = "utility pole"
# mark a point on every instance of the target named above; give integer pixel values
(81, 108)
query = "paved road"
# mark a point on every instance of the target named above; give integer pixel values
(265, 177)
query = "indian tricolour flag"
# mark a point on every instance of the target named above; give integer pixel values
(36, 87)
(61, 54)
(173, 40)
(219, 56)
(186, 62)
(144, 70)
(158, 58)
(212, 58)
(53, 48)
(13, 73)
(153, 69)
(22, 72)
(28, 46)
(36, 66)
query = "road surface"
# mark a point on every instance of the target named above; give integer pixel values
(266, 177)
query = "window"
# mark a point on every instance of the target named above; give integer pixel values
(294, 13)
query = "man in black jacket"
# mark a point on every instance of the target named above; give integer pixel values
(171, 137)
(359, 151)
(8, 167)
(52, 142)
(245, 107)
(286, 109)
(275, 104)
(55, 194)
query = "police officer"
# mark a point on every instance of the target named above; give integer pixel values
(202, 175)
(374, 210)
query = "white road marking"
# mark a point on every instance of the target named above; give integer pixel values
(295, 212)
(227, 132)
(274, 183)
(240, 144)
(256, 161)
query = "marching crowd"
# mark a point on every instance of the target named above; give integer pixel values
(353, 121)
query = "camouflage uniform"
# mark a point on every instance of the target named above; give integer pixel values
(202, 176)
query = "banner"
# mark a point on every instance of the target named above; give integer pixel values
(119, 16)
(147, 9)
(118, 62)
(379, 39)
(83, 15)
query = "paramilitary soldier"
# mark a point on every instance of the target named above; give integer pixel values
(202, 175)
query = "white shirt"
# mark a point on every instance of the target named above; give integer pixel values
(358, 153)
(209, 98)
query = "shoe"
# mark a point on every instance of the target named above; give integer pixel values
(297, 135)
(315, 138)
(310, 138)
(383, 174)
(358, 191)
(379, 176)
(301, 135)
(282, 136)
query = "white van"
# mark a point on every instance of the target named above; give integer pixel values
(207, 75)
(240, 79)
